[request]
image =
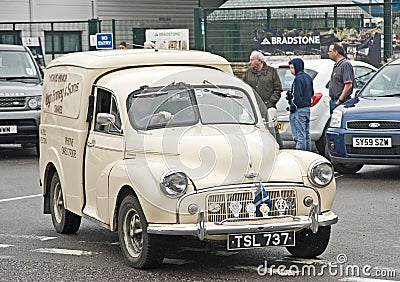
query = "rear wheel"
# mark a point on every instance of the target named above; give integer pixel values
(140, 249)
(310, 245)
(64, 221)
(347, 168)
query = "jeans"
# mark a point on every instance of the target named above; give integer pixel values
(300, 125)
(332, 103)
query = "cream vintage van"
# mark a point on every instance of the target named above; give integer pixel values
(156, 143)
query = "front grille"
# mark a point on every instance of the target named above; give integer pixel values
(373, 151)
(223, 201)
(364, 125)
(19, 123)
(12, 102)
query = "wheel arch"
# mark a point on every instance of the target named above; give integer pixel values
(48, 175)
(123, 192)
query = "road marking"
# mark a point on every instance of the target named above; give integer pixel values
(176, 261)
(5, 246)
(304, 261)
(41, 238)
(65, 252)
(20, 198)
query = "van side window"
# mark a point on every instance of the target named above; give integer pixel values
(106, 103)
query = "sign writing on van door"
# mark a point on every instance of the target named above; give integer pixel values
(62, 94)
(104, 41)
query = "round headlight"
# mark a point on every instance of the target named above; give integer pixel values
(320, 173)
(32, 103)
(173, 183)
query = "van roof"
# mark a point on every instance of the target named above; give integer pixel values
(9, 47)
(113, 59)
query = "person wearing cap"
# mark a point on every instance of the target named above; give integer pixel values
(266, 82)
(300, 100)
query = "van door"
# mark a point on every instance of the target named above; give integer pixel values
(104, 148)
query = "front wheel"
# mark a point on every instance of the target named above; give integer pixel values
(310, 245)
(64, 221)
(140, 249)
(347, 168)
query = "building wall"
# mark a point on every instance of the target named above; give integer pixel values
(128, 14)
(136, 14)
(45, 10)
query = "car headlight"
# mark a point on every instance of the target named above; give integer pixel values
(34, 102)
(173, 183)
(336, 118)
(320, 173)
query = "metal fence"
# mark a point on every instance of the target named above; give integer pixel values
(231, 32)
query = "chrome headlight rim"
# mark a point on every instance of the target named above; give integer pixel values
(173, 191)
(312, 173)
(36, 100)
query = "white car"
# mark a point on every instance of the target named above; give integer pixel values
(320, 70)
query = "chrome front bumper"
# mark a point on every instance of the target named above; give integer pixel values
(201, 229)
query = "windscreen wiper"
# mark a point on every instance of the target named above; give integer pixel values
(222, 91)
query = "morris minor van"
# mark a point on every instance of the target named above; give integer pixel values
(157, 144)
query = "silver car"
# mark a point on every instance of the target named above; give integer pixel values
(320, 70)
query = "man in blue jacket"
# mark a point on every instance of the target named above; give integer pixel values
(300, 101)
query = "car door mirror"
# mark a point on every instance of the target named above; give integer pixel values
(105, 119)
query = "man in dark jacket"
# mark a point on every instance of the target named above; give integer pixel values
(266, 82)
(300, 101)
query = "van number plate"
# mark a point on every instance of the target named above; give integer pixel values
(372, 142)
(259, 240)
(8, 129)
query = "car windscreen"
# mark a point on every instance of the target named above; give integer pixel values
(287, 78)
(16, 65)
(384, 84)
(172, 106)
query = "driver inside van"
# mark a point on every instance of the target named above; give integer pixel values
(146, 113)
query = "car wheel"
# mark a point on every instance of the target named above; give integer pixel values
(310, 245)
(64, 221)
(347, 168)
(140, 249)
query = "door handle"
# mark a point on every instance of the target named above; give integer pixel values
(90, 144)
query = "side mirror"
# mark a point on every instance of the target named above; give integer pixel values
(105, 119)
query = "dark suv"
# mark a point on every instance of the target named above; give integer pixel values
(20, 96)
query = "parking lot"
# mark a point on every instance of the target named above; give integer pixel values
(364, 239)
